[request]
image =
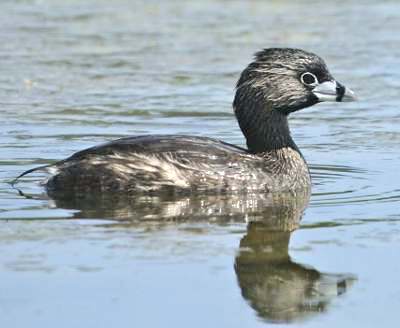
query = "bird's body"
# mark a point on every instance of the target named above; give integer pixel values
(277, 83)
(180, 164)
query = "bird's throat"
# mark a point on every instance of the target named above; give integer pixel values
(270, 132)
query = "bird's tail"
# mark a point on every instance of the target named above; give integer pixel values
(38, 168)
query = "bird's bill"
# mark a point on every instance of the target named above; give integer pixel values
(333, 91)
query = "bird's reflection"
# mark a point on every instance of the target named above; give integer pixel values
(221, 208)
(279, 289)
(275, 286)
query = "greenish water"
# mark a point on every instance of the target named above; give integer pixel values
(75, 74)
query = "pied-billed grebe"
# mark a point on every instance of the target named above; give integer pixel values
(278, 82)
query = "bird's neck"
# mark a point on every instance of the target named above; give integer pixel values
(265, 129)
(270, 134)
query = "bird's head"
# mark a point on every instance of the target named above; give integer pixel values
(278, 82)
(287, 80)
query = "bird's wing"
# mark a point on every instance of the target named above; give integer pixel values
(181, 147)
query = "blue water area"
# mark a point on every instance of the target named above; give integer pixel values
(75, 74)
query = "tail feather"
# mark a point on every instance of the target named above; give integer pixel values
(38, 168)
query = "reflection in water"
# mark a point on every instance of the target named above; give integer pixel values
(229, 207)
(279, 289)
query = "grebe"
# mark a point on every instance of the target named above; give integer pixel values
(277, 83)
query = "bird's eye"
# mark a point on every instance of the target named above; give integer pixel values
(309, 79)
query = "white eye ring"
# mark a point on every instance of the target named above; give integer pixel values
(309, 79)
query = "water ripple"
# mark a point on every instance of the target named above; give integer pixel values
(337, 185)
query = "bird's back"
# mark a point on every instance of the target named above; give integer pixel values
(175, 164)
(160, 163)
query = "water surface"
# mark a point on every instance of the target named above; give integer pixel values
(76, 74)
